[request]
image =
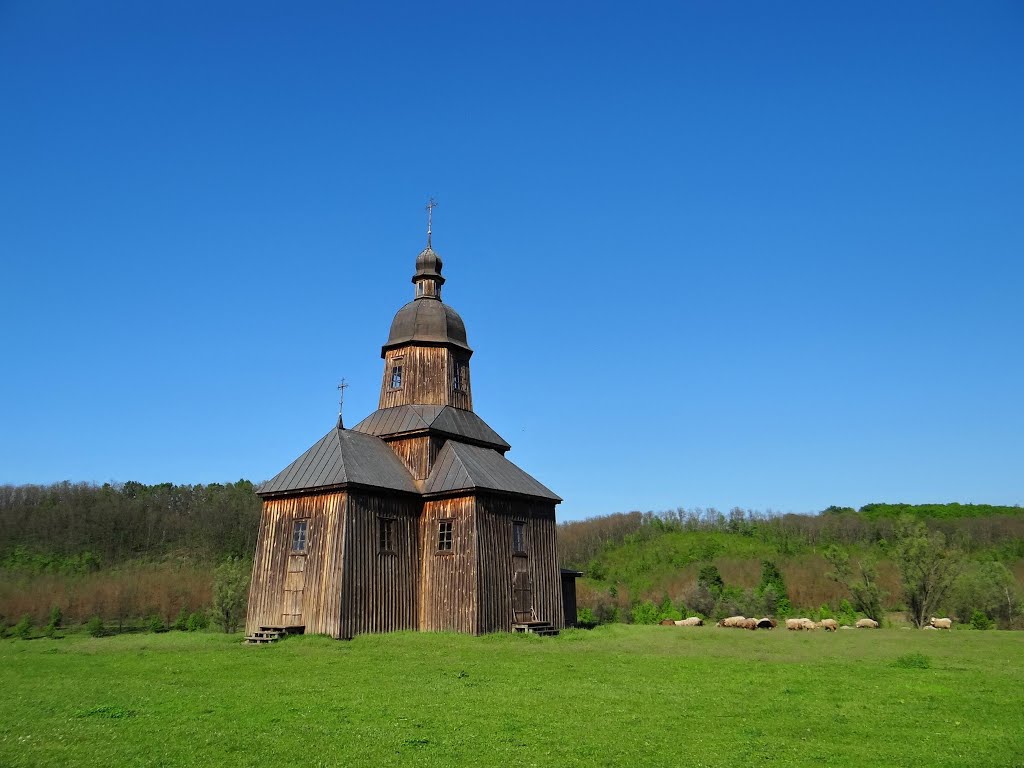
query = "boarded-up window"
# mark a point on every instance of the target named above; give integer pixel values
(519, 536)
(387, 534)
(299, 533)
(444, 536)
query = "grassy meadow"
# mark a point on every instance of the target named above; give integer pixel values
(617, 695)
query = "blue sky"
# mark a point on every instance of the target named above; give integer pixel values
(708, 254)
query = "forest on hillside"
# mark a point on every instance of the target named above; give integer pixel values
(131, 550)
(869, 562)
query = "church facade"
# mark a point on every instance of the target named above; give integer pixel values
(413, 518)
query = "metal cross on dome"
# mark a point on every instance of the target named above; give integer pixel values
(431, 205)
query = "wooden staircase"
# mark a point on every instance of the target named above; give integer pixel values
(271, 634)
(542, 628)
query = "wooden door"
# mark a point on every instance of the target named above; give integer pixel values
(294, 586)
(522, 591)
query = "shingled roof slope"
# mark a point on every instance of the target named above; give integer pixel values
(342, 457)
(461, 466)
(441, 418)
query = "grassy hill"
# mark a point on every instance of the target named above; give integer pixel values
(657, 558)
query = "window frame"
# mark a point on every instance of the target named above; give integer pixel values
(398, 373)
(445, 536)
(519, 525)
(386, 535)
(300, 524)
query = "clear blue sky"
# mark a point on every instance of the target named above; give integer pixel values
(728, 254)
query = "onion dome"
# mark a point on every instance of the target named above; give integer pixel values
(426, 319)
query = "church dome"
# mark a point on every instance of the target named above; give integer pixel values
(428, 264)
(429, 321)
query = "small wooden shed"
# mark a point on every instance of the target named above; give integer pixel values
(413, 518)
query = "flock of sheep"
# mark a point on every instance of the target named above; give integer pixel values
(829, 625)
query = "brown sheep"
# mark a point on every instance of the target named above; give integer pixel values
(667, 623)
(829, 625)
(941, 623)
(867, 624)
(732, 621)
(749, 624)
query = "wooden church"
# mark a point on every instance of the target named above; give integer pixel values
(413, 518)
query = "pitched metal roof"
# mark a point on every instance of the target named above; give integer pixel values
(440, 418)
(342, 457)
(461, 466)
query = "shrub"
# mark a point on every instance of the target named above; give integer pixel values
(586, 618)
(607, 613)
(95, 626)
(56, 618)
(181, 623)
(645, 613)
(981, 621)
(197, 621)
(846, 614)
(155, 624)
(23, 629)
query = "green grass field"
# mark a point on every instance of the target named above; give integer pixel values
(619, 695)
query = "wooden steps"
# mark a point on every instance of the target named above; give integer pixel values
(271, 634)
(542, 628)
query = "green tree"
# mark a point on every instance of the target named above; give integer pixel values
(928, 568)
(989, 588)
(860, 579)
(710, 579)
(230, 593)
(771, 578)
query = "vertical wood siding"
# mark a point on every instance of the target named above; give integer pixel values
(427, 378)
(379, 591)
(298, 590)
(417, 453)
(448, 585)
(495, 515)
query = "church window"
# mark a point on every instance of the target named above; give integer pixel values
(299, 533)
(460, 377)
(396, 377)
(444, 536)
(519, 536)
(387, 534)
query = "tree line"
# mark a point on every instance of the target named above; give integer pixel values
(970, 527)
(80, 527)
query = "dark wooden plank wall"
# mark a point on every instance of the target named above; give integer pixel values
(427, 378)
(417, 453)
(495, 515)
(379, 590)
(448, 586)
(283, 583)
